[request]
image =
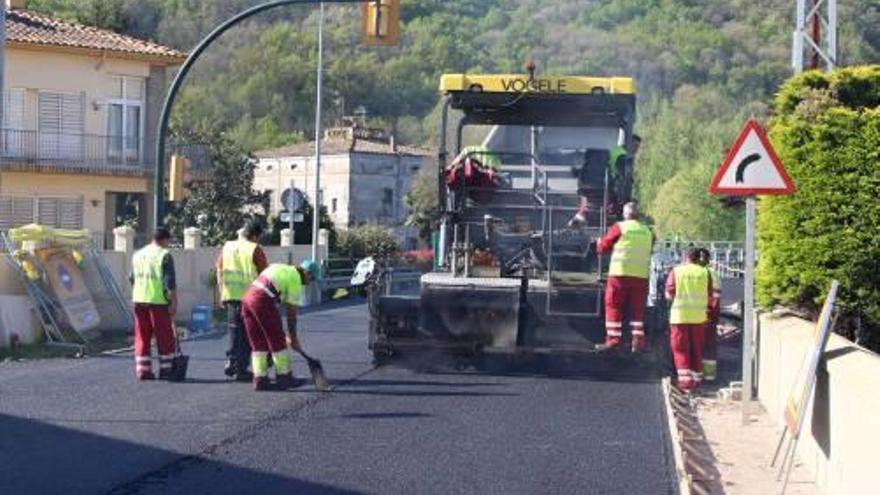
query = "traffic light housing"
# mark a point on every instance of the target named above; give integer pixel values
(380, 22)
(176, 191)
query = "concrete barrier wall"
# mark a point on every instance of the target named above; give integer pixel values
(193, 267)
(841, 433)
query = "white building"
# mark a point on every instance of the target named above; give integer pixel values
(364, 176)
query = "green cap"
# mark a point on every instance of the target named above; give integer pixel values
(313, 268)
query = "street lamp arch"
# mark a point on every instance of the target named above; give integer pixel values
(174, 89)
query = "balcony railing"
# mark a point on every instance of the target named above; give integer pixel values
(90, 153)
(72, 152)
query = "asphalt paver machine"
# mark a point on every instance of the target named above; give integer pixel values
(517, 153)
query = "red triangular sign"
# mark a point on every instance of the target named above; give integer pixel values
(752, 167)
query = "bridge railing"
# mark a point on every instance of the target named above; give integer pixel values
(727, 257)
(338, 273)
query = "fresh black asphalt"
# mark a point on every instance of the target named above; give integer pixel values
(85, 426)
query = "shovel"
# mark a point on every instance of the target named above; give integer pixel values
(317, 371)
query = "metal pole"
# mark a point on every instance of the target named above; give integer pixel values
(291, 213)
(749, 313)
(316, 212)
(797, 55)
(832, 34)
(2, 71)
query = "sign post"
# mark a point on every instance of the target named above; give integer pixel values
(750, 168)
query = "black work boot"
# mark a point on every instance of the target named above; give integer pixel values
(244, 376)
(165, 374)
(287, 381)
(146, 376)
(262, 383)
(229, 369)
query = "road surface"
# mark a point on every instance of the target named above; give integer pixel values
(86, 426)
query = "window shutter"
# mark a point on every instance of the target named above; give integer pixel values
(22, 210)
(71, 210)
(6, 213)
(13, 109)
(47, 212)
(62, 123)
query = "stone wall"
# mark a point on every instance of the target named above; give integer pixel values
(842, 429)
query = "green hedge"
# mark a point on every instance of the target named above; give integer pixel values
(826, 130)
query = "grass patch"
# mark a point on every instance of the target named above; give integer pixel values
(45, 351)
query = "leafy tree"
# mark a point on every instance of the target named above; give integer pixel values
(223, 201)
(422, 202)
(827, 133)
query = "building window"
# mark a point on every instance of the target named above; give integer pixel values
(61, 122)
(334, 205)
(125, 118)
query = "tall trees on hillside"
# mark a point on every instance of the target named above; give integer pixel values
(258, 81)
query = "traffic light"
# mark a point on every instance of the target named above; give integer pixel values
(176, 191)
(380, 22)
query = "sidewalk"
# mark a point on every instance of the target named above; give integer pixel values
(743, 453)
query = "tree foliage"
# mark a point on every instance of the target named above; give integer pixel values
(422, 202)
(827, 133)
(702, 67)
(222, 202)
(367, 240)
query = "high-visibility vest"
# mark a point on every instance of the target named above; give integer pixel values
(631, 256)
(239, 269)
(483, 155)
(691, 302)
(147, 268)
(716, 281)
(287, 282)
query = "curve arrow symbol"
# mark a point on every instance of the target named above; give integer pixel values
(741, 168)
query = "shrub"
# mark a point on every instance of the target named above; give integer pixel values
(367, 240)
(827, 133)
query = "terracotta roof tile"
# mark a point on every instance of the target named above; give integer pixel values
(26, 27)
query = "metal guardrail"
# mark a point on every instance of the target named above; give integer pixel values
(338, 273)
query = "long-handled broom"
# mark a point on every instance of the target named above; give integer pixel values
(317, 371)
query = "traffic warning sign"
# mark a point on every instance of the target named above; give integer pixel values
(752, 167)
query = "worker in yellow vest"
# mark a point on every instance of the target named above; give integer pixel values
(710, 345)
(277, 284)
(238, 265)
(689, 289)
(630, 243)
(154, 293)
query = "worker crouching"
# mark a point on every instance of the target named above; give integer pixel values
(689, 288)
(278, 284)
(630, 243)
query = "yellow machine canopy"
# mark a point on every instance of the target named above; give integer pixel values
(519, 83)
(516, 99)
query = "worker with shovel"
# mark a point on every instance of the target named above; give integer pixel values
(277, 284)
